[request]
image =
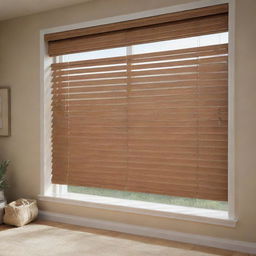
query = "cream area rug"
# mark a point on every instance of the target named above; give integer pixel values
(46, 240)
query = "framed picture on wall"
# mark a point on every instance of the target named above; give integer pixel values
(5, 112)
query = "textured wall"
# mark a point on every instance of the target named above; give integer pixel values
(20, 69)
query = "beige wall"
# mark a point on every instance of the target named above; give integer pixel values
(20, 69)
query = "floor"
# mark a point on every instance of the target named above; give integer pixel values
(108, 240)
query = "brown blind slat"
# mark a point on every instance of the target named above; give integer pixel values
(158, 124)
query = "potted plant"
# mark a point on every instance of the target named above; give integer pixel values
(3, 178)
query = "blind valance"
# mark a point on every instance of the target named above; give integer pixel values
(201, 21)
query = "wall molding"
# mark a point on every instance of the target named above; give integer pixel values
(222, 243)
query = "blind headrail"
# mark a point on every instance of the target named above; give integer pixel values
(142, 22)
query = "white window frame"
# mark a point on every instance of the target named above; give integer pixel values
(59, 193)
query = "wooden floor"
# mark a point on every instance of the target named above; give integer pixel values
(194, 248)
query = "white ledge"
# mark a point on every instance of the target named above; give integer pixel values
(208, 216)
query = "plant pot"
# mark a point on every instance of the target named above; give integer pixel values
(2, 196)
(2, 206)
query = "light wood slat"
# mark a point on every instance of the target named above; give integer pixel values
(180, 84)
(141, 106)
(140, 162)
(176, 177)
(76, 120)
(172, 149)
(162, 186)
(172, 54)
(117, 81)
(210, 49)
(175, 169)
(87, 96)
(147, 115)
(152, 108)
(158, 156)
(99, 167)
(216, 104)
(68, 71)
(188, 55)
(174, 155)
(137, 97)
(91, 76)
(105, 114)
(95, 155)
(172, 179)
(179, 130)
(120, 145)
(188, 103)
(142, 86)
(105, 101)
(180, 63)
(181, 91)
(195, 68)
(177, 191)
(179, 54)
(161, 148)
(95, 108)
(187, 184)
(172, 137)
(89, 63)
(182, 100)
(206, 76)
(145, 162)
(212, 60)
(90, 108)
(122, 131)
(66, 96)
(159, 143)
(90, 89)
(174, 114)
(144, 124)
(186, 115)
(103, 180)
(142, 141)
(137, 150)
(100, 184)
(211, 188)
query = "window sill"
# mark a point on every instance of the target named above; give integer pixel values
(208, 216)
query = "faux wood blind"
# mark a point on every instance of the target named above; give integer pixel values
(195, 22)
(154, 122)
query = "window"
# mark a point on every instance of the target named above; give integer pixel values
(143, 114)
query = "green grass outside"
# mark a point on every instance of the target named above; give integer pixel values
(162, 199)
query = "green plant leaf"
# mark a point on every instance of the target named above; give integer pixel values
(3, 170)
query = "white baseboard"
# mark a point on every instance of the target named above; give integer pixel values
(234, 245)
